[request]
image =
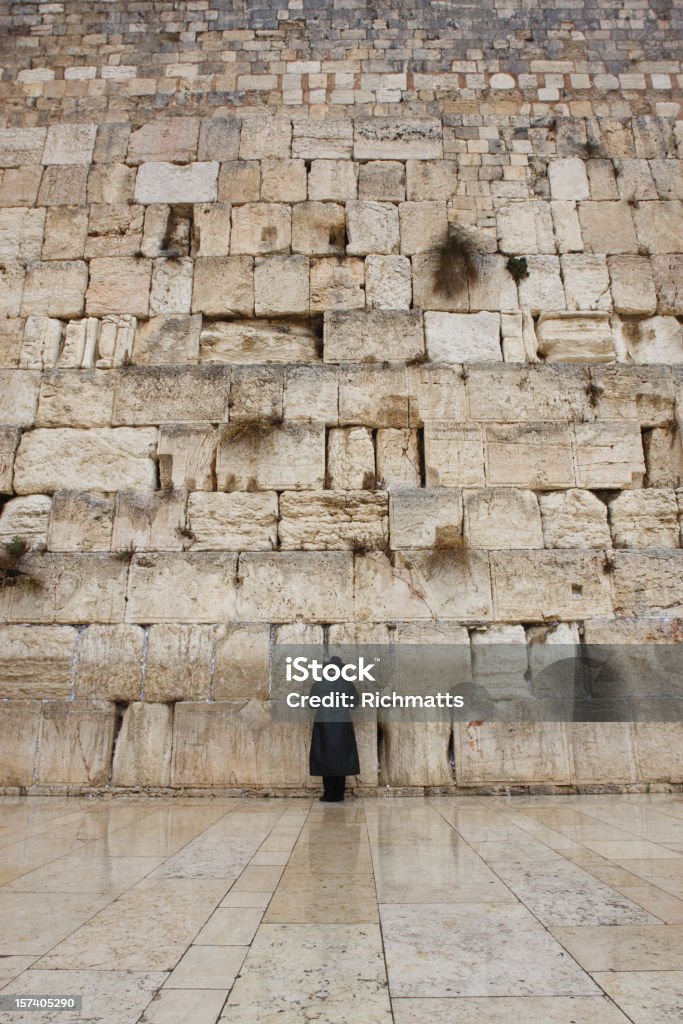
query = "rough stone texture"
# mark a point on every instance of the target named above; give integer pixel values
(143, 746)
(574, 519)
(179, 662)
(98, 460)
(644, 519)
(575, 338)
(370, 336)
(233, 522)
(36, 661)
(463, 337)
(321, 522)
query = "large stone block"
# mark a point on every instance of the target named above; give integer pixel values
(663, 448)
(311, 394)
(119, 285)
(509, 752)
(608, 454)
(18, 397)
(80, 398)
(388, 282)
(9, 440)
(463, 337)
(259, 228)
(501, 517)
(266, 457)
(646, 518)
(63, 186)
(19, 731)
(525, 228)
(143, 747)
(323, 140)
(333, 519)
(171, 286)
(658, 751)
(21, 146)
(574, 519)
(350, 458)
(109, 663)
(373, 335)
(98, 460)
(68, 588)
(535, 455)
(422, 518)
(159, 182)
(149, 521)
(223, 286)
(566, 226)
(454, 455)
(398, 458)
(568, 178)
(333, 180)
(36, 661)
(542, 289)
(113, 230)
(283, 587)
(318, 229)
(69, 144)
(76, 741)
(668, 275)
(41, 343)
(80, 522)
(384, 180)
(233, 522)
(167, 339)
(374, 397)
(171, 394)
(578, 337)
(659, 226)
(586, 281)
(186, 456)
(607, 227)
(239, 181)
(602, 752)
(211, 229)
(423, 226)
(12, 278)
(377, 139)
(21, 234)
(57, 288)
(256, 397)
(659, 339)
(432, 179)
(263, 137)
(281, 285)
(415, 754)
(547, 585)
(261, 341)
(436, 393)
(371, 228)
(188, 587)
(179, 662)
(337, 282)
(170, 139)
(242, 663)
(27, 518)
(633, 287)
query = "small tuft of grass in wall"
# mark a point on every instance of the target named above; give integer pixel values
(609, 564)
(457, 262)
(517, 267)
(125, 554)
(250, 429)
(14, 571)
(449, 547)
(372, 481)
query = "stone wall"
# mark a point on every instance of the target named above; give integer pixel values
(236, 409)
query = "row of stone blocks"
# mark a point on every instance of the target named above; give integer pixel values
(74, 745)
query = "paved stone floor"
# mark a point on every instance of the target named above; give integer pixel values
(542, 910)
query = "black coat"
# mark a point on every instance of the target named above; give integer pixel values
(333, 741)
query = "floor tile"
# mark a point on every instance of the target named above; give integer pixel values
(627, 948)
(648, 997)
(109, 997)
(509, 1010)
(208, 967)
(230, 927)
(32, 923)
(185, 1006)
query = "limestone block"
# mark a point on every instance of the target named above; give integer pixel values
(240, 181)
(513, 342)
(179, 662)
(586, 282)
(182, 587)
(607, 227)
(454, 455)
(318, 228)
(371, 228)
(114, 345)
(432, 179)
(494, 288)
(12, 279)
(633, 288)
(436, 393)
(333, 519)
(55, 289)
(19, 731)
(500, 661)
(628, 391)
(663, 457)
(118, 285)
(69, 588)
(574, 519)
(149, 522)
(398, 458)
(256, 398)
(156, 227)
(211, 229)
(580, 337)
(373, 335)
(422, 585)
(335, 180)
(268, 457)
(281, 285)
(388, 282)
(567, 227)
(66, 229)
(100, 460)
(168, 394)
(285, 586)
(668, 275)
(63, 186)
(644, 519)
(568, 178)
(542, 289)
(323, 140)
(374, 396)
(350, 458)
(168, 139)
(80, 522)
(264, 137)
(547, 585)
(186, 456)
(80, 337)
(171, 286)
(377, 139)
(160, 182)
(113, 230)
(659, 339)
(645, 582)
(167, 339)
(76, 741)
(223, 286)
(21, 234)
(18, 397)
(463, 337)
(233, 522)
(311, 394)
(425, 293)
(26, 518)
(420, 518)
(237, 743)
(242, 669)
(511, 752)
(298, 633)
(9, 439)
(609, 454)
(525, 228)
(260, 228)
(19, 186)
(143, 747)
(219, 138)
(21, 146)
(644, 631)
(423, 226)
(283, 181)
(501, 517)
(667, 178)
(261, 341)
(101, 648)
(36, 661)
(602, 179)
(602, 752)
(41, 343)
(382, 180)
(111, 183)
(534, 455)
(415, 755)
(658, 751)
(634, 180)
(337, 282)
(69, 144)
(659, 226)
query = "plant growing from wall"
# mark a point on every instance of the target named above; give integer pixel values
(14, 570)
(517, 267)
(457, 260)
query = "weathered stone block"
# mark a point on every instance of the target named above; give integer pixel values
(109, 663)
(350, 458)
(179, 662)
(19, 731)
(436, 393)
(374, 397)
(586, 282)
(233, 522)
(542, 289)
(98, 460)
(511, 752)
(579, 337)
(118, 285)
(382, 180)
(36, 661)
(494, 288)
(323, 140)
(337, 283)
(566, 226)
(371, 228)
(633, 288)
(256, 396)
(607, 227)
(659, 339)
(66, 230)
(19, 186)
(240, 181)
(534, 455)
(568, 178)
(283, 587)
(645, 582)
(266, 457)
(211, 229)
(63, 186)
(56, 289)
(644, 519)
(12, 279)
(376, 139)
(113, 230)
(111, 183)
(69, 144)
(373, 335)
(149, 522)
(283, 181)
(9, 439)
(187, 587)
(311, 394)
(260, 228)
(501, 517)
(69, 588)
(171, 286)
(264, 137)
(668, 275)
(18, 397)
(219, 138)
(143, 747)
(549, 585)
(335, 180)
(421, 518)
(80, 522)
(318, 228)
(281, 285)
(525, 228)
(168, 139)
(21, 146)
(574, 519)
(423, 226)
(161, 182)
(27, 518)
(21, 234)
(659, 226)
(398, 458)
(415, 756)
(333, 519)
(388, 282)
(224, 286)
(454, 455)
(172, 394)
(608, 454)
(76, 741)
(602, 752)
(167, 339)
(658, 751)
(664, 456)
(262, 341)
(463, 337)
(186, 455)
(242, 669)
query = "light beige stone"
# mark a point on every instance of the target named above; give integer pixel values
(223, 286)
(586, 281)
(333, 180)
(646, 582)
(118, 285)
(371, 228)
(602, 752)
(239, 181)
(501, 517)
(318, 229)
(263, 137)
(350, 458)
(171, 286)
(19, 731)
(454, 455)
(21, 146)
(333, 519)
(21, 234)
(417, 756)
(534, 455)
(633, 288)
(377, 139)
(186, 456)
(76, 742)
(568, 178)
(436, 393)
(9, 440)
(258, 342)
(167, 339)
(388, 282)
(36, 661)
(26, 518)
(182, 587)
(211, 229)
(41, 343)
(384, 180)
(668, 275)
(546, 585)
(607, 227)
(462, 337)
(219, 138)
(98, 459)
(398, 458)
(143, 747)
(256, 395)
(576, 337)
(172, 139)
(12, 278)
(574, 519)
(424, 518)
(179, 662)
(658, 339)
(337, 282)
(281, 285)
(371, 335)
(663, 456)
(63, 186)
(608, 454)
(171, 394)
(283, 181)
(70, 588)
(659, 226)
(149, 521)
(233, 522)
(566, 226)
(114, 229)
(282, 587)
(645, 518)
(543, 289)
(56, 288)
(423, 226)
(323, 140)
(18, 397)
(432, 179)
(259, 228)
(511, 752)
(80, 522)
(242, 664)
(268, 457)
(311, 394)
(658, 751)
(69, 144)
(102, 648)
(159, 182)
(525, 228)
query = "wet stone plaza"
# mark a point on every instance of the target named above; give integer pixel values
(444, 910)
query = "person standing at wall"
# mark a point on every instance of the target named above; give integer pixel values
(334, 753)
